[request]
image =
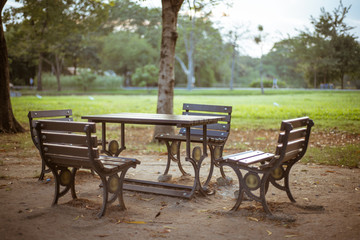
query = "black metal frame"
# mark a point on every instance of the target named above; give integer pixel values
(216, 137)
(273, 168)
(62, 150)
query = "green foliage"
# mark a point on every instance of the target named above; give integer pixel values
(268, 84)
(146, 76)
(80, 83)
(123, 52)
(85, 79)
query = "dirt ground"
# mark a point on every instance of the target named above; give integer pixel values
(328, 201)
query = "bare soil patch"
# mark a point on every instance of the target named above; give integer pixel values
(328, 200)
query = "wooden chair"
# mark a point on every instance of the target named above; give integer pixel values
(217, 135)
(34, 116)
(67, 146)
(256, 169)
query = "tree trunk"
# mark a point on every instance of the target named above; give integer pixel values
(58, 71)
(8, 123)
(39, 74)
(166, 82)
(232, 69)
(342, 75)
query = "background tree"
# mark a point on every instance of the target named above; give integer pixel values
(49, 27)
(259, 40)
(234, 36)
(8, 123)
(146, 76)
(169, 35)
(124, 51)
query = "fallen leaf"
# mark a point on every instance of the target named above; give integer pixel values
(77, 217)
(253, 219)
(202, 210)
(330, 171)
(290, 236)
(169, 227)
(165, 230)
(135, 222)
(269, 233)
(146, 199)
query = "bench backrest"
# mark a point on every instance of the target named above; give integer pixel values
(293, 139)
(34, 116)
(68, 143)
(219, 130)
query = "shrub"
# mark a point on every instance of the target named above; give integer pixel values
(267, 84)
(83, 81)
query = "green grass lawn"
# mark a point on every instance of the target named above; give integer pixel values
(328, 109)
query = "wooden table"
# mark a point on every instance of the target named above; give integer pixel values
(185, 121)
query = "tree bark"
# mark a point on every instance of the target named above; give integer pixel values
(166, 82)
(8, 123)
(39, 73)
(58, 66)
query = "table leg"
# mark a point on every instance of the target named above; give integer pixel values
(122, 140)
(103, 137)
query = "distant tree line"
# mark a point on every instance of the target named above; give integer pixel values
(62, 36)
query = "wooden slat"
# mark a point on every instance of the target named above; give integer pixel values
(236, 154)
(34, 122)
(227, 117)
(67, 138)
(291, 155)
(216, 126)
(50, 113)
(51, 125)
(242, 155)
(296, 122)
(291, 146)
(256, 159)
(294, 134)
(117, 159)
(69, 150)
(66, 161)
(198, 132)
(207, 108)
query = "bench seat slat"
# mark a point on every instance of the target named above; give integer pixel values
(55, 137)
(182, 138)
(62, 160)
(69, 119)
(207, 108)
(50, 113)
(209, 133)
(291, 146)
(227, 117)
(63, 126)
(294, 134)
(296, 122)
(248, 158)
(69, 150)
(216, 126)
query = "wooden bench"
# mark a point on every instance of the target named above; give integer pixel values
(256, 169)
(59, 115)
(217, 134)
(66, 146)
